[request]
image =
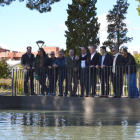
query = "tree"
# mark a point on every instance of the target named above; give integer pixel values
(82, 25)
(138, 7)
(116, 26)
(4, 69)
(39, 5)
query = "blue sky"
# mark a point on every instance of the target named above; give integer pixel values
(21, 27)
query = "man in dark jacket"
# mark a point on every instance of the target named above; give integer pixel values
(72, 72)
(27, 63)
(83, 71)
(92, 61)
(60, 64)
(131, 69)
(105, 61)
(52, 74)
(117, 73)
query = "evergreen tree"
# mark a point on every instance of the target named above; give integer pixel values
(116, 26)
(138, 7)
(82, 25)
(39, 5)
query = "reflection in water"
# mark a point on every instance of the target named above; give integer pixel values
(68, 125)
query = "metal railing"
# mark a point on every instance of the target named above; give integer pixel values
(90, 81)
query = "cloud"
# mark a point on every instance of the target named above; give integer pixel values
(103, 27)
(4, 46)
(133, 48)
(62, 26)
(21, 49)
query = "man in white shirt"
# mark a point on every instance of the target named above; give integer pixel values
(83, 75)
(92, 61)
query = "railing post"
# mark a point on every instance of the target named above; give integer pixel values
(12, 80)
(54, 82)
(89, 82)
(128, 81)
(138, 83)
(15, 81)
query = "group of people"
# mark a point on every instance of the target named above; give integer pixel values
(84, 68)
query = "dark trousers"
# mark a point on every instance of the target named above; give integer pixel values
(117, 80)
(27, 74)
(84, 78)
(93, 82)
(72, 76)
(52, 83)
(42, 81)
(104, 81)
(61, 79)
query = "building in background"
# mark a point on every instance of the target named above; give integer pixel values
(14, 55)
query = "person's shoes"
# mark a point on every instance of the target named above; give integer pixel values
(101, 96)
(87, 96)
(60, 95)
(53, 94)
(65, 95)
(116, 96)
(33, 94)
(49, 94)
(74, 95)
(42, 94)
(81, 95)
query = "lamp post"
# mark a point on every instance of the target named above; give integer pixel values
(40, 43)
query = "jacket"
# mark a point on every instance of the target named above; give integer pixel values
(51, 62)
(61, 66)
(93, 61)
(36, 63)
(129, 61)
(108, 61)
(27, 61)
(71, 64)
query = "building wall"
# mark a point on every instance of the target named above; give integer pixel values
(14, 55)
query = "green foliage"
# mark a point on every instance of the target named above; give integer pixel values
(137, 59)
(39, 5)
(138, 7)
(4, 69)
(116, 27)
(82, 25)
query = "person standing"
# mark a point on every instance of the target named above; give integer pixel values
(83, 71)
(27, 60)
(60, 64)
(52, 73)
(92, 61)
(41, 69)
(105, 62)
(72, 72)
(117, 73)
(130, 66)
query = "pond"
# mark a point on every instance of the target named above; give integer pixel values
(63, 125)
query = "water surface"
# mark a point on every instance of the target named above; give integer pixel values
(62, 125)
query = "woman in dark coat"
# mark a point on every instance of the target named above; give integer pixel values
(40, 69)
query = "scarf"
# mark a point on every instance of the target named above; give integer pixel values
(114, 62)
